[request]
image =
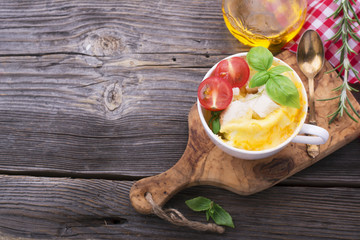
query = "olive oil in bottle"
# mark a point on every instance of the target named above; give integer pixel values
(267, 23)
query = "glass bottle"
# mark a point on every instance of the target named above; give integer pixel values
(267, 23)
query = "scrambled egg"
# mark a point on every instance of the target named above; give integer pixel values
(264, 133)
(253, 124)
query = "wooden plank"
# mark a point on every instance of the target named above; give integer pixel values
(56, 120)
(100, 209)
(114, 28)
(104, 111)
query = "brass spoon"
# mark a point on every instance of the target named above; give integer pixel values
(310, 58)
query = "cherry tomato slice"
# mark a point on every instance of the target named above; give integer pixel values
(235, 70)
(215, 94)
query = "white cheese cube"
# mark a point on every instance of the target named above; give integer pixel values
(235, 110)
(264, 105)
(251, 99)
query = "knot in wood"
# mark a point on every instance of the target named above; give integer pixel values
(109, 44)
(103, 43)
(275, 170)
(113, 96)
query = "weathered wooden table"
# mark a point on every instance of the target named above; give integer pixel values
(94, 95)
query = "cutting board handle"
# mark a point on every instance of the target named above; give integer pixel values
(162, 187)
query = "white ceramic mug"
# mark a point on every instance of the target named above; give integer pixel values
(320, 135)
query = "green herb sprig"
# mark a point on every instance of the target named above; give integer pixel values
(345, 31)
(279, 87)
(214, 121)
(213, 210)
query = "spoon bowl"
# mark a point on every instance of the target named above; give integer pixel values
(310, 54)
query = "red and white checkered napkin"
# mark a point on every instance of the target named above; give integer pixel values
(317, 13)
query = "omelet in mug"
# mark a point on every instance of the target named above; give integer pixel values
(253, 121)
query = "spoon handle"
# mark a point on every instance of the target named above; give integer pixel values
(312, 119)
(312, 150)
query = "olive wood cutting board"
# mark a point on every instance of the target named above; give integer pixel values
(205, 164)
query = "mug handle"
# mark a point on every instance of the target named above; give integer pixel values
(321, 135)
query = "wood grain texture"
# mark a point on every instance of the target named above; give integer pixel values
(205, 164)
(48, 208)
(93, 88)
(114, 27)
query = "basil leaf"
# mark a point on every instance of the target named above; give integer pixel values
(283, 91)
(199, 204)
(259, 58)
(220, 216)
(216, 125)
(279, 70)
(259, 79)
